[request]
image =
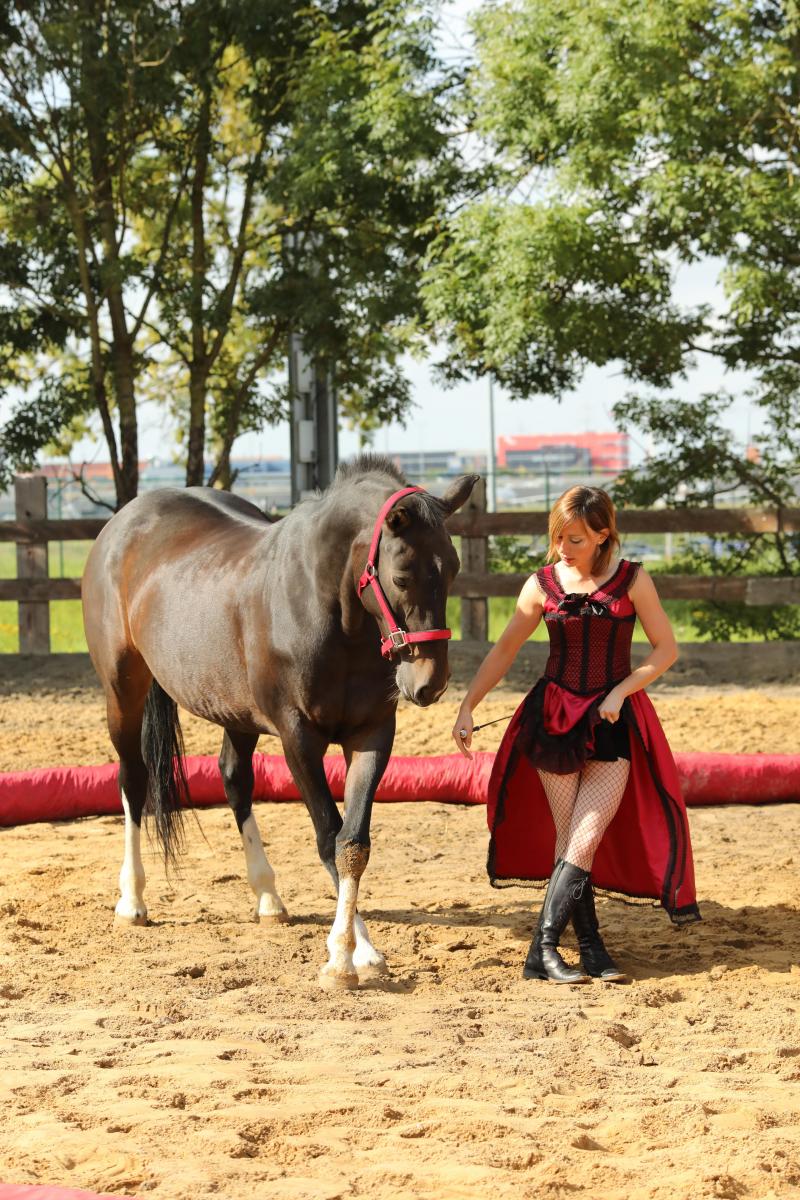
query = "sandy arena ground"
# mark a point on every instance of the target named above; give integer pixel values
(198, 1057)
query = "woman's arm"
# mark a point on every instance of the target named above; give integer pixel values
(527, 615)
(655, 623)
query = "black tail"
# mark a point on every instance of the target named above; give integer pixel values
(163, 751)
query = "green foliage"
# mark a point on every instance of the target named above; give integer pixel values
(698, 461)
(513, 556)
(181, 184)
(55, 412)
(630, 137)
(746, 554)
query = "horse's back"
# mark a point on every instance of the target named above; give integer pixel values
(176, 517)
(167, 534)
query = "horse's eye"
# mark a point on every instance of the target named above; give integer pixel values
(400, 582)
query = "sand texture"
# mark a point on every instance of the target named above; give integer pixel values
(52, 712)
(198, 1057)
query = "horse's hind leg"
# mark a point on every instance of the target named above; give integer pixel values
(236, 768)
(125, 710)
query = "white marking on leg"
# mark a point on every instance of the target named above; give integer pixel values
(131, 906)
(340, 969)
(365, 954)
(260, 874)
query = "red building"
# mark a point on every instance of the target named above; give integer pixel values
(559, 451)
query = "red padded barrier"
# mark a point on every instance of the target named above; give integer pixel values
(739, 778)
(63, 793)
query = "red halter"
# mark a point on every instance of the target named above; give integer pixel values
(398, 638)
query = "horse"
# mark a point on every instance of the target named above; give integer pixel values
(193, 597)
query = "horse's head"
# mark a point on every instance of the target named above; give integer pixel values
(416, 565)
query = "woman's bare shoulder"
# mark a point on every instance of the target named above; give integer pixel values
(531, 595)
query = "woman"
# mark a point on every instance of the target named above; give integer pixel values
(585, 745)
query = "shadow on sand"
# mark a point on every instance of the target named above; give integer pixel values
(641, 937)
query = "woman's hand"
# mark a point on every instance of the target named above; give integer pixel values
(610, 706)
(464, 725)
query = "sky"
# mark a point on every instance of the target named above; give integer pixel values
(457, 418)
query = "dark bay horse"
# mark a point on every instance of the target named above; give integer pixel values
(193, 597)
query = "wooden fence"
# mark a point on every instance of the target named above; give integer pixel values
(33, 589)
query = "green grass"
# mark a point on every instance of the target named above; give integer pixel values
(66, 560)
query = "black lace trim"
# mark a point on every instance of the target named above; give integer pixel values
(603, 690)
(565, 753)
(615, 586)
(561, 615)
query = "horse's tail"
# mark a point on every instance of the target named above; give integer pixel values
(167, 788)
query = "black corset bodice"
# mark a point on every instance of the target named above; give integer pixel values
(590, 644)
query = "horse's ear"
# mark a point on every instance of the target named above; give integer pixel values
(398, 519)
(459, 492)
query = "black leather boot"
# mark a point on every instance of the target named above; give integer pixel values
(563, 892)
(595, 959)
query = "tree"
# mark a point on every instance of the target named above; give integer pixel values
(327, 157)
(173, 205)
(81, 91)
(632, 136)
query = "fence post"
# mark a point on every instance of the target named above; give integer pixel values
(30, 500)
(475, 560)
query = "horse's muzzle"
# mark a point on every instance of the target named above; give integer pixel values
(428, 694)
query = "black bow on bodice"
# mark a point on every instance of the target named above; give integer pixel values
(575, 603)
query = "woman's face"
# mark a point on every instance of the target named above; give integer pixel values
(577, 545)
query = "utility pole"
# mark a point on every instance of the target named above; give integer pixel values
(313, 413)
(313, 422)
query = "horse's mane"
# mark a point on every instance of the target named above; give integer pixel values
(369, 464)
(429, 508)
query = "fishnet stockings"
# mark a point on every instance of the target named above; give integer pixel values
(583, 805)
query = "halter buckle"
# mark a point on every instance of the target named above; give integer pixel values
(398, 638)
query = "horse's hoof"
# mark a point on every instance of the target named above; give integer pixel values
(365, 955)
(373, 971)
(334, 981)
(371, 964)
(276, 918)
(121, 922)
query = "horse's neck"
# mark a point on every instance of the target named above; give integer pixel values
(348, 525)
(350, 519)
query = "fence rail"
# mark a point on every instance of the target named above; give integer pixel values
(483, 525)
(33, 589)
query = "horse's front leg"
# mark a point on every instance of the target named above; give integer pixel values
(349, 946)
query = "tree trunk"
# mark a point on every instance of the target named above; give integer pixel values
(222, 476)
(200, 365)
(96, 110)
(97, 368)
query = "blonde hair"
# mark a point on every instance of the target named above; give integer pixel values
(595, 509)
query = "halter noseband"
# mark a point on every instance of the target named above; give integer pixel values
(397, 638)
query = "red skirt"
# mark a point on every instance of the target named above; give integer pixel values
(646, 852)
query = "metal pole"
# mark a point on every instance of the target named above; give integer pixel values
(492, 462)
(313, 410)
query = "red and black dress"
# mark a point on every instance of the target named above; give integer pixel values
(646, 851)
